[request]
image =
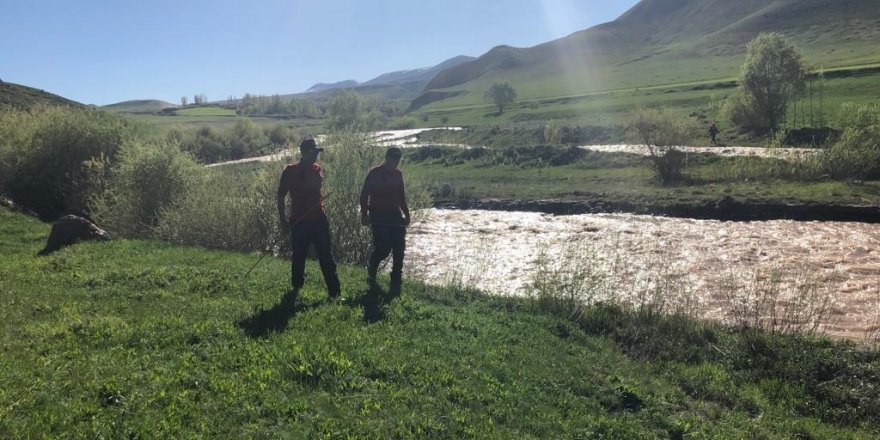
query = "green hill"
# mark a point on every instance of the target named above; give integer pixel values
(24, 97)
(666, 42)
(140, 106)
(141, 339)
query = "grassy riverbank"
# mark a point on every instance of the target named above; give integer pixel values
(142, 339)
(568, 174)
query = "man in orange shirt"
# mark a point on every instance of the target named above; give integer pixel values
(307, 223)
(383, 205)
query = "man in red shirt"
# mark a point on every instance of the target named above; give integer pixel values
(307, 223)
(383, 205)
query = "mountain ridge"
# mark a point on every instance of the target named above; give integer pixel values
(401, 84)
(320, 87)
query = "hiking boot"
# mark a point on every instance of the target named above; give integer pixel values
(289, 299)
(396, 284)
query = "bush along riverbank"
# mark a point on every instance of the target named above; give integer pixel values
(139, 339)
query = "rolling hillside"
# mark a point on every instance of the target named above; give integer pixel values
(320, 87)
(24, 97)
(666, 42)
(423, 75)
(403, 84)
(140, 106)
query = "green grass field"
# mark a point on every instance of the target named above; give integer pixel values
(144, 106)
(613, 107)
(139, 339)
(520, 174)
(205, 111)
(222, 122)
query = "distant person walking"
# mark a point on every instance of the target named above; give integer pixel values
(384, 207)
(307, 223)
(713, 132)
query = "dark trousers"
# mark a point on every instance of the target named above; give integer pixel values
(307, 233)
(389, 237)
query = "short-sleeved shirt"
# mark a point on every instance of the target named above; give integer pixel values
(303, 182)
(383, 191)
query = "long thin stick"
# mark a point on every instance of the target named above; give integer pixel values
(281, 236)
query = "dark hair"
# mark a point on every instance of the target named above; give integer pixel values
(394, 152)
(308, 144)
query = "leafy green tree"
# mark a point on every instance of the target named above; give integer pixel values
(502, 94)
(276, 105)
(772, 75)
(351, 112)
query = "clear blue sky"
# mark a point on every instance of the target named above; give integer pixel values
(102, 52)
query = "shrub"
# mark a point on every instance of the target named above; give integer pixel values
(280, 135)
(779, 301)
(226, 211)
(563, 286)
(346, 164)
(205, 144)
(16, 131)
(245, 138)
(401, 123)
(551, 133)
(145, 179)
(857, 153)
(54, 157)
(740, 110)
(661, 130)
(348, 158)
(858, 116)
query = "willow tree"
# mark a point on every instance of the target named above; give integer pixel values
(772, 75)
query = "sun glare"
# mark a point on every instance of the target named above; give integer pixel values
(575, 75)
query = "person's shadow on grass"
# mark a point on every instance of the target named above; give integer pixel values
(268, 321)
(375, 300)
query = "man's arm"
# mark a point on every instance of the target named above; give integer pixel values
(364, 201)
(403, 205)
(280, 199)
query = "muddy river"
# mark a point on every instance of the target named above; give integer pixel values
(729, 271)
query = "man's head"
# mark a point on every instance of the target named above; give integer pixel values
(392, 157)
(309, 150)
